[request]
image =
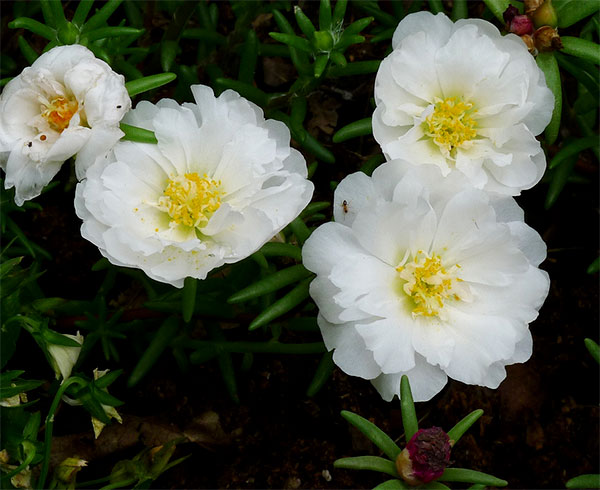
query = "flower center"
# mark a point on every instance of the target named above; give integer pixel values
(428, 283)
(191, 200)
(451, 125)
(59, 112)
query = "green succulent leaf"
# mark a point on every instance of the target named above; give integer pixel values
(374, 434)
(271, 283)
(407, 406)
(394, 484)
(463, 426)
(464, 475)
(593, 349)
(581, 48)
(373, 463)
(548, 64)
(362, 127)
(135, 87)
(584, 481)
(139, 135)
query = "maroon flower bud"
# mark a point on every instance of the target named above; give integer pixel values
(510, 13)
(521, 25)
(425, 457)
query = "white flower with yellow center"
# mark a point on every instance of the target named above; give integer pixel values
(424, 276)
(67, 102)
(220, 183)
(465, 98)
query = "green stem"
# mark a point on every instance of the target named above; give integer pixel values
(50, 424)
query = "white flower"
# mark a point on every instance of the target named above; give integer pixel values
(465, 98)
(66, 100)
(218, 185)
(63, 358)
(424, 277)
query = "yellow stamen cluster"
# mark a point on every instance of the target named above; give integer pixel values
(190, 200)
(59, 112)
(451, 125)
(428, 283)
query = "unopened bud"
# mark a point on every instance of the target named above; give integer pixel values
(323, 41)
(521, 25)
(510, 13)
(546, 38)
(532, 5)
(528, 40)
(66, 471)
(425, 457)
(545, 15)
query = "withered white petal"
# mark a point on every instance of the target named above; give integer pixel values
(59, 106)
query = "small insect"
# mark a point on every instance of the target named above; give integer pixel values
(345, 206)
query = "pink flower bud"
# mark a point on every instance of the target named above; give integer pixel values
(425, 457)
(521, 25)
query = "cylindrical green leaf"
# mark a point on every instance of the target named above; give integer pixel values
(355, 68)
(471, 476)
(100, 17)
(584, 481)
(140, 135)
(497, 7)
(57, 12)
(357, 26)
(338, 13)
(355, 129)
(436, 6)
(300, 229)
(48, 13)
(322, 374)
(373, 463)
(570, 12)
(317, 149)
(304, 23)
(346, 41)
(314, 207)
(372, 163)
(282, 306)
(188, 298)
(594, 266)
(293, 41)
(338, 58)
(593, 349)
(298, 111)
(205, 35)
(140, 85)
(407, 406)
(581, 48)
(248, 58)
(271, 283)
(82, 11)
(461, 427)
(392, 485)
(382, 17)
(459, 10)
(159, 343)
(275, 249)
(573, 148)
(26, 50)
(559, 179)
(33, 26)
(547, 63)
(104, 32)
(383, 35)
(168, 52)
(374, 434)
(320, 64)
(325, 15)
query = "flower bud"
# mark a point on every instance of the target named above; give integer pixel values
(545, 15)
(68, 469)
(323, 40)
(546, 38)
(521, 25)
(63, 358)
(425, 457)
(68, 33)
